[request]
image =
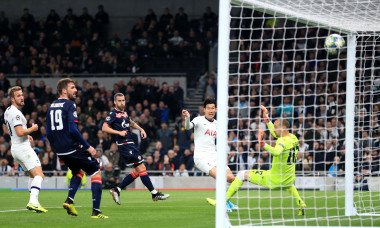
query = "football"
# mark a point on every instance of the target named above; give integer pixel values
(334, 44)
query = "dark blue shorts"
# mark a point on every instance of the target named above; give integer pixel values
(130, 154)
(81, 159)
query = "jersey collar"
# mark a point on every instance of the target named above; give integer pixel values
(209, 120)
(117, 110)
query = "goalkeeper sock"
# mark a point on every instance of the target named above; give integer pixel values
(75, 182)
(234, 187)
(293, 191)
(127, 180)
(35, 189)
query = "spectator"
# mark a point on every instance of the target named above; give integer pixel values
(173, 158)
(5, 169)
(113, 155)
(165, 165)
(4, 83)
(166, 136)
(210, 89)
(110, 177)
(103, 160)
(150, 165)
(360, 183)
(181, 172)
(188, 159)
(47, 167)
(334, 168)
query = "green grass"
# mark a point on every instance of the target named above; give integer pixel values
(182, 209)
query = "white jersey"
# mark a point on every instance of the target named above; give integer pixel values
(204, 137)
(13, 118)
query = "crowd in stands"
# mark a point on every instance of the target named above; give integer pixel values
(70, 44)
(285, 68)
(293, 78)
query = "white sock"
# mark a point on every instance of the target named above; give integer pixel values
(154, 191)
(30, 183)
(35, 189)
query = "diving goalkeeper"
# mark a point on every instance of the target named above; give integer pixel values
(282, 174)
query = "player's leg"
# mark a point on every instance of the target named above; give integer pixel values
(35, 188)
(293, 191)
(128, 179)
(237, 183)
(74, 184)
(29, 161)
(96, 189)
(156, 195)
(75, 181)
(230, 179)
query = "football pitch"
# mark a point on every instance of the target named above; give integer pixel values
(182, 209)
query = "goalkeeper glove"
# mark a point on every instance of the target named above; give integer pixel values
(265, 114)
(260, 137)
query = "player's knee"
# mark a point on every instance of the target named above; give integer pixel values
(230, 178)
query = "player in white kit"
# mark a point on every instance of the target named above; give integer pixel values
(205, 130)
(21, 149)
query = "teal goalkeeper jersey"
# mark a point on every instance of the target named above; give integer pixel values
(284, 159)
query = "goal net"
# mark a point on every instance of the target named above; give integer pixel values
(273, 54)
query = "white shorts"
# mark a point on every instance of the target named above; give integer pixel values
(205, 164)
(26, 156)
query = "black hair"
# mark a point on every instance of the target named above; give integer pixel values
(209, 101)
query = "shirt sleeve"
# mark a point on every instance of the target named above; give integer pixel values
(72, 115)
(110, 118)
(16, 120)
(276, 150)
(189, 124)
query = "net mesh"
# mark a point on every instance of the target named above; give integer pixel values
(278, 60)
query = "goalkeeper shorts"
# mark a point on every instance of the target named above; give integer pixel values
(266, 179)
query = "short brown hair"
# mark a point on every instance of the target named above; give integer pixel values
(62, 84)
(285, 122)
(117, 95)
(12, 90)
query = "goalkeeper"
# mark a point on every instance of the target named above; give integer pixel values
(282, 174)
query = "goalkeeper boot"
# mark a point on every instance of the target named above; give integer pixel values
(212, 202)
(36, 207)
(301, 211)
(115, 193)
(69, 206)
(233, 206)
(228, 208)
(96, 214)
(160, 196)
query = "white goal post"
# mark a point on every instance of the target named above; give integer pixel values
(356, 20)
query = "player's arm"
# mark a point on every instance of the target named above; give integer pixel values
(268, 121)
(276, 150)
(108, 129)
(134, 125)
(188, 125)
(23, 132)
(73, 128)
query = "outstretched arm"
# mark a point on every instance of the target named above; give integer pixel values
(268, 121)
(275, 151)
(186, 114)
